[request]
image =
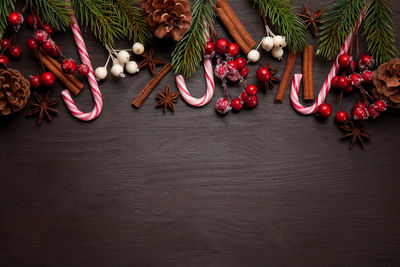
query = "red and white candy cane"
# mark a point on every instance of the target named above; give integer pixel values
(294, 94)
(98, 100)
(209, 73)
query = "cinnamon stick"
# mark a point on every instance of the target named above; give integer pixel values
(287, 73)
(234, 26)
(60, 75)
(308, 78)
(144, 93)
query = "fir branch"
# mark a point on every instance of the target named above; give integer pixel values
(55, 12)
(339, 21)
(5, 7)
(131, 20)
(380, 31)
(286, 23)
(102, 18)
(188, 53)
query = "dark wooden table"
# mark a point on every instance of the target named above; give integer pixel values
(265, 187)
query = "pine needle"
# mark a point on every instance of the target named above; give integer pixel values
(55, 12)
(188, 53)
(5, 7)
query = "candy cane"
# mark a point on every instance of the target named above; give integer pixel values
(294, 94)
(209, 74)
(98, 100)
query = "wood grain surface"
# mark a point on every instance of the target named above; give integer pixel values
(264, 187)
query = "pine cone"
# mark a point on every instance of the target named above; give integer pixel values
(167, 18)
(14, 91)
(387, 83)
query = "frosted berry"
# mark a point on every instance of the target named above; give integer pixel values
(341, 116)
(233, 49)
(48, 46)
(69, 66)
(368, 76)
(41, 36)
(380, 105)
(324, 110)
(5, 43)
(360, 114)
(345, 61)
(32, 20)
(4, 61)
(366, 62)
(15, 19)
(34, 81)
(233, 76)
(237, 104)
(252, 102)
(221, 46)
(263, 74)
(47, 79)
(210, 48)
(241, 63)
(251, 90)
(48, 28)
(359, 105)
(32, 44)
(342, 82)
(221, 71)
(355, 79)
(373, 113)
(244, 71)
(223, 105)
(83, 69)
(15, 52)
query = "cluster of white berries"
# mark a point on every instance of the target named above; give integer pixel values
(120, 61)
(270, 43)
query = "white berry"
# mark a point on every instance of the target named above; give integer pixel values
(101, 73)
(138, 48)
(253, 56)
(279, 41)
(267, 43)
(131, 67)
(117, 70)
(277, 52)
(123, 56)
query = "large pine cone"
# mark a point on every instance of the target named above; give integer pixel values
(14, 91)
(167, 18)
(387, 83)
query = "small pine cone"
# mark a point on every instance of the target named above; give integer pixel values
(14, 91)
(387, 83)
(167, 18)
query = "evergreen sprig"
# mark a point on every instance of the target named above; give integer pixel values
(339, 21)
(5, 7)
(380, 31)
(189, 51)
(55, 12)
(285, 22)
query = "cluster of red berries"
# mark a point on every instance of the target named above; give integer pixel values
(361, 111)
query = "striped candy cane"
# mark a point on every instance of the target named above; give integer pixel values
(98, 100)
(294, 94)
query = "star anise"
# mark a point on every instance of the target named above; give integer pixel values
(356, 133)
(150, 61)
(269, 85)
(167, 99)
(311, 19)
(43, 107)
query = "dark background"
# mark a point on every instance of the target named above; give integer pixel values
(264, 187)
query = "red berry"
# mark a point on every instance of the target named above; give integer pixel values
(245, 98)
(41, 36)
(345, 61)
(241, 63)
(32, 44)
(263, 74)
(373, 113)
(83, 69)
(15, 19)
(366, 62)
(380, 105)
(4, 61)
(359, 105)
(233, 49)
(355, 79)
(223, 105)
(244, 72)
(348, 89)
(341, 116)
(237, 104)
(334, 81)
(47, 79)
(232, 65)
(47, 28)
(15, 52)
(69, 66)
(32, 20)
(342, 82)
(222, 46)
(368, 76)
(35, 81)
(5, 43)
(360, 114)
(210, 47)
(55, 52)
(252, 102)
(251, 90)
(324, 110)
(48, 46)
